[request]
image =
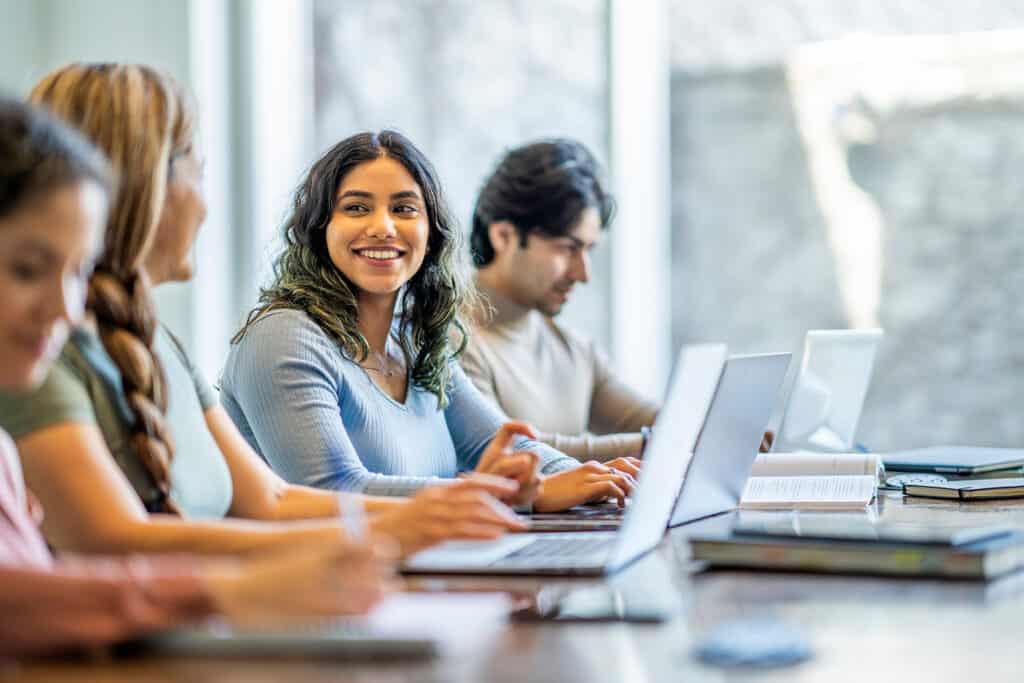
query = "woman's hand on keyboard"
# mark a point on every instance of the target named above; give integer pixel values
(591, 482)
(466, 509)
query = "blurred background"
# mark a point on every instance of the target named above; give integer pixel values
(781, 165)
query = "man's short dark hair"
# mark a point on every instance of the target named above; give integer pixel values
(542, 187)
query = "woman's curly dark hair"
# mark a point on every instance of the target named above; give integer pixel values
(431, 303)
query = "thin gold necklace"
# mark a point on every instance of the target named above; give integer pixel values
(387, 372)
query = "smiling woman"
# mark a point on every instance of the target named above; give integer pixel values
(345, 376)
(48, 248)
(54, 197)
(124, 426)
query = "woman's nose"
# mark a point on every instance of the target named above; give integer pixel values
(382, 226)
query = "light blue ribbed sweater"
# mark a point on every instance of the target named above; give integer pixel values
(318, 419)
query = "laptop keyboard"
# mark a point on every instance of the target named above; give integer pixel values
(560, 551)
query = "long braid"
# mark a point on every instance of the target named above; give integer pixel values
(127, 327)
(139, 118)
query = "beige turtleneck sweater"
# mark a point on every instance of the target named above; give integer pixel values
(539, 372)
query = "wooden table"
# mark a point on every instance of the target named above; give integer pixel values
(861, 628)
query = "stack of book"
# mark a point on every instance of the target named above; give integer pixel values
(902, 550)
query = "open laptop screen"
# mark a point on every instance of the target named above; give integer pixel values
(828, 392)
(732, 432)
(672, 443)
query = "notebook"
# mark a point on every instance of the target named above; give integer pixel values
(966, 460)
(967, 489)
(862, 526)
(988, 558)
(812, 481)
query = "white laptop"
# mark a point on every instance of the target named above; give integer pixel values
(728, 444)
(696, 377)
(747, 393)
(828, 392)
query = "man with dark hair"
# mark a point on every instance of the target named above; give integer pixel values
(537, 218)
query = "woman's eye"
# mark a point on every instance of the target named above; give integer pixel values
(406, 209)
(26, 272)
(355, 208)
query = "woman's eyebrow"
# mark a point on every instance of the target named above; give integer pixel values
(36, 248)
(406, 194)
(356, 193)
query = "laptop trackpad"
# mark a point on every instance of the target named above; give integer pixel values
(467, 553)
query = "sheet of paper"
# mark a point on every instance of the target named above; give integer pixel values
(460, 622)
(809, 464)
(809, 492)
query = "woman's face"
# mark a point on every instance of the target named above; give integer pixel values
(170, 254)
(47, 250)
(378, 234)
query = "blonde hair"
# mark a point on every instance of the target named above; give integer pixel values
(142, 120)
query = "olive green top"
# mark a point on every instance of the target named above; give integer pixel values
(84, 386)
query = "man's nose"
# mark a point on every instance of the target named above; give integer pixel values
(581, 267)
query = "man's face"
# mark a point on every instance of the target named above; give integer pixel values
(542, 274)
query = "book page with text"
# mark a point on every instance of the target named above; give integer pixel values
(805, 493)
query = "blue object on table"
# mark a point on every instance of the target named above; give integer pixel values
(759, 642)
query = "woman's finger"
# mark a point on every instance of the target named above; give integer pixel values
(626, 482)
(477, 531)
(521, 466)
(501, 444)
(485, 508)
(624, 465)
(609, 489)
(487, 483)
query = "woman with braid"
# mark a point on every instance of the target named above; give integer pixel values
(124, 442)
(54, 194)
(345, 377)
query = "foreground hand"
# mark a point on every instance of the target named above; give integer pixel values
(520, 466)
(466, 509)
(591, 482)
(298, 584)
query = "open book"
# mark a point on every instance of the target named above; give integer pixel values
(812, 481)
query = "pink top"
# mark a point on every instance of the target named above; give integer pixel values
(21, 544)
(80, 601)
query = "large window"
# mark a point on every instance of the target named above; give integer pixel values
(858, 183)
(466, 80)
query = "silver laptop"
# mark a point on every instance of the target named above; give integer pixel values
(747, 392)
(728, 444)
(827, 396)
(697, 373)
